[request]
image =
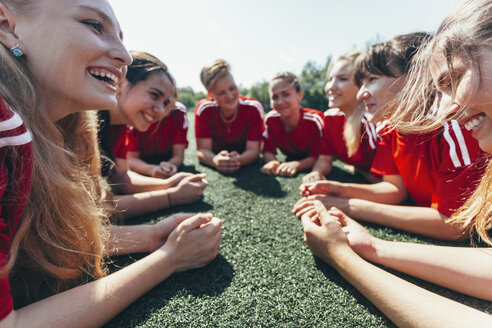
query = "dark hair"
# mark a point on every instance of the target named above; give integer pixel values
(288, 77)
(145, 64)
(391, 58)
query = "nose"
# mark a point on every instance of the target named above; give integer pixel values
(120, 54)
(363, 94)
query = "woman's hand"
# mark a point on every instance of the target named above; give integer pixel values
(177, 178)
(270, 168)
(195, 242)
(167, 169)
(159, 232)
(226, 163)
(305, 204)
(324, 235)
(189, 189)
(288, 169)
(325, 187)
(312, 177)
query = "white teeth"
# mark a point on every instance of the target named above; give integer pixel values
(104, 74)
(473, 124)
(148, 117)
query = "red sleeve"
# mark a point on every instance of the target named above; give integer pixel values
(333, 122)
(257, 125)
(383, 162)
(203, 128)
(131, 141)
(317, 133)
(181, 129)
(120, 147)
(269, 144)
(460, 168)
(6, 302)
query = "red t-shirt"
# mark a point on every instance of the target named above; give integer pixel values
(333, 143)
(119, 139)
(247, 126)
(156, 144)
(16, 164)
(439, 169)
(302, 142)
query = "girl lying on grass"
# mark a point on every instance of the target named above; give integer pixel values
(55, 232)
(434, 168)
(348, 134)
(460, 69)
(228, 126)
(145, 96)
(159, 151)
(295, 130)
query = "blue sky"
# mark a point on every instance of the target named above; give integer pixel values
(262, 37)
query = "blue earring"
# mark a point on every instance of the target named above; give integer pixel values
(16, 51)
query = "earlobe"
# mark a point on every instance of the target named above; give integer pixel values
(8, 38)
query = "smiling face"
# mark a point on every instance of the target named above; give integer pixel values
(147, 101)
(378, 92)
(471, 101)
(340, 88)
(74, 51)
(225, 92)
(284, 97)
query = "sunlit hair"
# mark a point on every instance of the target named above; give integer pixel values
(60, 239)
(214, 72)
(351, 130)
(462, 35)
(143, 65)
(392, 58)
(288, 77)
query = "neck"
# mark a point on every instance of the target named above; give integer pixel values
(117, 118)
(348, 110)
(229, 112)
(290, 122)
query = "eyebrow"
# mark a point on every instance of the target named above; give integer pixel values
(103, 16)
(158, 91)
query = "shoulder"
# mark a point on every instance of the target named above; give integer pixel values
(205, 105)
(457, 143)
(253, 104)
(179, 110)
(12, 129)
(313, 116)
(333, 112)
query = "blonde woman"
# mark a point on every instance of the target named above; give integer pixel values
(460, 46)
(228, 127)
(348, 133)
(54, 237)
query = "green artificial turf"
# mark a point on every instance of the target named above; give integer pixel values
(264, 276)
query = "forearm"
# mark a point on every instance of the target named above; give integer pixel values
(405, 304)
(381, 192)
(93, 304)
(420, 220)
(137, 165)
(305, 164)
(206, 156)
(145, 202)
(177, 160)
(268, 157)
(464, 269)
(136, 183)
(127, 239)
(323, 165)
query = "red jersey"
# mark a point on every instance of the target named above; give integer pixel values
(16, 164)
(439, 169)
(247, 125)
(302, 142)
(333, 142)
(119, 138)
(156, 144)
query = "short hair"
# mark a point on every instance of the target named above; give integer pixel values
(288, 77)
(214, 72)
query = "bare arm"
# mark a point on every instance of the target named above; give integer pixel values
(93, 304)
(321, 168)
(178, 155)
(140, 166)
(251, 153)
(204, 151)
(405, 304)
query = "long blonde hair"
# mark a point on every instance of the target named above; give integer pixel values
(462, 34)
(60, 239)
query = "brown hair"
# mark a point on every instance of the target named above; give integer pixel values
(288, 77)
(61, 236)
(214, 72)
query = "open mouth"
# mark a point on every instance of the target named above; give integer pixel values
(148, 117)
(474, 122)
(104, 76)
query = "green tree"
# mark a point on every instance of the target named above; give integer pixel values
(313, 83)
(259, 91)
(189, 97)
